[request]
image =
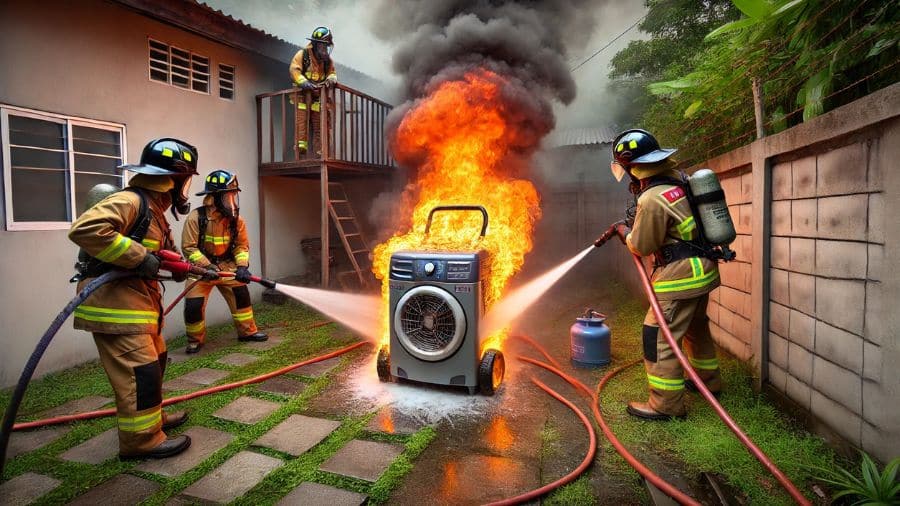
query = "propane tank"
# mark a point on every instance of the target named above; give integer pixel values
(718, 229)
(589, 337)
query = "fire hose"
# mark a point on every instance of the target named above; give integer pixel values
(169, 261)
(792, 490)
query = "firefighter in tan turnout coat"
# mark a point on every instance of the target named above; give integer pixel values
(311, 68)
(215, 237)
(664, 227)
(125, 315)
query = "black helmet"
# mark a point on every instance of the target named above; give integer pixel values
(322, 34)
(220, 181)
(635, 147)
(165, 157)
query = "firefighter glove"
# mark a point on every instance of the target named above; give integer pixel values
(307, 86)
(242, 274)
(331, 80)
(179, 276)
(149, 266)
(211, 274)
(622, 230)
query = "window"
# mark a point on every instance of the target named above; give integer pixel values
(178, 67)
(226, 81)
(51, 161)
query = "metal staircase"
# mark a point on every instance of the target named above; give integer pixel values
(355, 244)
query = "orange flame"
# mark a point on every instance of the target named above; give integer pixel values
(466, 143)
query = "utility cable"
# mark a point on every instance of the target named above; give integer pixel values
(617, 37)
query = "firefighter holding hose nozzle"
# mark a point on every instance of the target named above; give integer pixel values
(665, 226)
(127, 230)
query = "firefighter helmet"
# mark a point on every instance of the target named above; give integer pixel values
(220, 181)
(636, 147)
(322, 34)
(166, 157)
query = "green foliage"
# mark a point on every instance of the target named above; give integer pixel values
(809, 55)
(870, 487)
(578, 492)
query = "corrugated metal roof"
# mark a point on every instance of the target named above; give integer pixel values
(580, 136)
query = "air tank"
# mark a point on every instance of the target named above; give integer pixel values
(590, 340)
(98, 193)
(711, 208)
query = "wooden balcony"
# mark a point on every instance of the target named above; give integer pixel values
(351, 136)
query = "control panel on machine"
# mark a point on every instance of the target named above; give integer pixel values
(443, 270)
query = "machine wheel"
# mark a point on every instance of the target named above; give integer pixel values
(490, 371)
(383, 366)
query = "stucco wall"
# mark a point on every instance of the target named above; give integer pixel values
(818, 316)
(89, 59)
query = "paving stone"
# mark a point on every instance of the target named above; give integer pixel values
(25, 488)
(74, 406)
(297, 434)
(393, 422)
(316, 493)
(24, 442)
(233, 478)
(280, 385)
(365, 460)
(177, 356)
(274, 340)
(204, 442)
(247, 410)
(96, 450)
(317, 369)
(203, 376)
(497, 478)
(238, 359)
(121, 489)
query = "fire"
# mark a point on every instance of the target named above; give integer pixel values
(467, 142)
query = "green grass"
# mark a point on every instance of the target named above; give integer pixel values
(578, 492)
(702, 442)
(299, 343)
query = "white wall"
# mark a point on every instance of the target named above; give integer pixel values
(89, 59)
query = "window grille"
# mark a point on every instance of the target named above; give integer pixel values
(226, 81)
(178, 67)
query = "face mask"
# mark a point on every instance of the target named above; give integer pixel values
(180, 204)
(618, 171)
(228, 203)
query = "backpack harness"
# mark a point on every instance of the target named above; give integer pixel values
(203, 221)
(90, 267)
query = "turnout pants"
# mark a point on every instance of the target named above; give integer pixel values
(135, 364)
(236, 295)
(305, 113)
(686, 318)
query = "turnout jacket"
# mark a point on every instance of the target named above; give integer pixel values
(313, 70)
(216, 239)
(131, 305)
(664, 216)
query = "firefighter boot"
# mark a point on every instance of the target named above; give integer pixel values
(169, 448)
(645, 411)
(255, 337)
(172, 420)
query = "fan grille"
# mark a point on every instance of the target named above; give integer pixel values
(428, 322)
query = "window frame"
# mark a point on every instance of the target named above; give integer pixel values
(6, 157)
(233, 80)
(190, 67)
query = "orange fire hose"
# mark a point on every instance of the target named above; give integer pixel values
(199, 393)
(588, 458)
(638, 466)
(729, 422)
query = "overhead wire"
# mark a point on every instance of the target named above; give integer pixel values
(611, 42)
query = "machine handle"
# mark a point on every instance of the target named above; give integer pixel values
(484, 223)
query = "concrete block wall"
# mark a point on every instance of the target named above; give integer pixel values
(729, 306)
(824, 233)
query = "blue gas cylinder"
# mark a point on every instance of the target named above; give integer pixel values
(590, 340)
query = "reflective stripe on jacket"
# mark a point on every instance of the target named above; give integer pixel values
(216, 238)
(664, 214)
(130, 305)
(315, 72)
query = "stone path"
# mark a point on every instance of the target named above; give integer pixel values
(297, 434)
(233, 478)
(390, 421)
(204, 442)
(121, 489)
(25, 488)
(274, 340)
(195, 379)
(280, 385)
(365, 460)
(96, 450)
(24, 442)
(238, 359)
(316, 369)
(247, 410)
(82, 405)
(315, 493)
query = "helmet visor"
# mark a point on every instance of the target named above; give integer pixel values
(618, 171)
(229, 203)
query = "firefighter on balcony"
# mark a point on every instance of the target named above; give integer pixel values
(125, 315)
(664, 227)
(311, 68)
(215, 237)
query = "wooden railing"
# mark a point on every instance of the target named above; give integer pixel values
(351, 135)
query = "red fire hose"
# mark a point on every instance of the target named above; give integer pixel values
(729, 422)
(181, 398)
(588, 458)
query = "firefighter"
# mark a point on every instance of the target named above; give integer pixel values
(311, 68)
(125, 316)
(664, 227)
(215, 237)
